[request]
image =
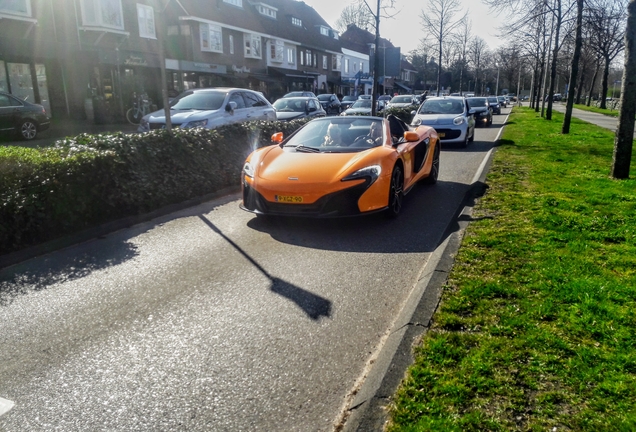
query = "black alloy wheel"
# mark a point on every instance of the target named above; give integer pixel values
(434, 174)
(396, 193)
(28, 130)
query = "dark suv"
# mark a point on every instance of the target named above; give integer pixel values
(330, 103)
(22, 117)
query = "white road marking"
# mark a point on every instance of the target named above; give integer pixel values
(5, 406)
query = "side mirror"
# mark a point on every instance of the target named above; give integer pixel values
(471, 112)
(277, 137)
(411, 136)
(230, 107)
(412, 113)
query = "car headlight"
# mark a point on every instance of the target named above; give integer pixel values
(195, 124)
(248, 169)
(458, 120)
(416, 121)
(371, 172)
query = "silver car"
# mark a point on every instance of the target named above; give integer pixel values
(210, 108)
(449, 116)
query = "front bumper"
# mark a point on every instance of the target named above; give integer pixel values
(338, 204)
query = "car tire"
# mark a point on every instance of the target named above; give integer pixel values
(432, 177)
(396, 193)
(28, 130)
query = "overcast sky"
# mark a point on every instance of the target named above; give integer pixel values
(405, 30)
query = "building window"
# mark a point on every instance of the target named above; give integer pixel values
(16, 7)
(252, 46)
(146, 19)
(102, 13)
(231, 39)
(277, 48)
(346, 66)
(324, 62)
(308, 57)
(297, 22)
(266, 10)
(336, 61)
(238, 3)
(302, 58)
(355, 67)
(324, 31)
(211, 39)
(291, 56)
(361, 67)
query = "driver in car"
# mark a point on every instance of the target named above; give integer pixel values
(333, 137)
(374, 137)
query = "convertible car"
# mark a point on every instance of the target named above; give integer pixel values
(340, 166)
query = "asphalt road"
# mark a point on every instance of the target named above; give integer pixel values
(209, 319)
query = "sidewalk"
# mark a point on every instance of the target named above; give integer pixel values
(601, 120)
(64, 127)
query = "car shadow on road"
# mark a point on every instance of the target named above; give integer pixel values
(312, 304)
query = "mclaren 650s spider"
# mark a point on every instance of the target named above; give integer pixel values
(340, 166)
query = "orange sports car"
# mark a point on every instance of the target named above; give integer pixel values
(340, 166)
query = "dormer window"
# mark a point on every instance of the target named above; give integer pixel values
(324, 31)
(266, 10)
(18, 7)
(238, 3)
(297, 22)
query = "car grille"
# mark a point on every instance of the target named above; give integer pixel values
(449, 133)
(341, 203)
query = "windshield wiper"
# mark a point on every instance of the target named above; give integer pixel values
(302, 148)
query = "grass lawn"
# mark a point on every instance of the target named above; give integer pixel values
(607, 111)
(537, 325)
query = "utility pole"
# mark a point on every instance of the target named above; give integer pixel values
(376, 62)
(161, 31)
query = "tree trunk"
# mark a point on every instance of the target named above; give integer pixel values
(589, 95)
(439, 63)
(555, 54)
(605, 85)
(574, 70)
(623, 142)
(579, 89)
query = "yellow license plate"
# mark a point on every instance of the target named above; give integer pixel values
(441, 134)
(288, 199)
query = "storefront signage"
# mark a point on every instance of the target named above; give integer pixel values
(135, 61)
(242, 69)
(202, 67)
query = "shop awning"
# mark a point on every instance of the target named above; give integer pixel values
(402, 86)
(292, 73)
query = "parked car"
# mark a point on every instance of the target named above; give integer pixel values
(494, 104)
(340, 166)
(450, 118)
(360, 107)
(364, 97)
(503, 102)
(211, 108)
(401, 101)
(300, 93)
(293, 108)
(330, 103)
(20, 117)
(383, 100)
(480, 110)
(347, 101)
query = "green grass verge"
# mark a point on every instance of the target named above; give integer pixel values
(536, 328)
(606, 111)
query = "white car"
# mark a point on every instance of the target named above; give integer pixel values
(210, 108)
(449, 116)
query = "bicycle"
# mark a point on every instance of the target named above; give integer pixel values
(141, 107)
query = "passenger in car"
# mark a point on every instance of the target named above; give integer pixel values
(333, 137)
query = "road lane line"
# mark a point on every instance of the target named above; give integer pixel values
(5, 406)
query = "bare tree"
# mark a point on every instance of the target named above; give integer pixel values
(477, 50)
(624, 140)
(565, 129)
(439, 20)
(356, 13)
(607, 23)
(463, 39)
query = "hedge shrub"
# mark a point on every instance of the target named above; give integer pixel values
(88, 180)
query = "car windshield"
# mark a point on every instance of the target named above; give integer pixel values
(441, 106)
(493, 100)
(199, 101)
(501, 98)
(348, 99)
(364, 103)
(402, 99)
(290, 105)
(324, 97)
(338, 135)
(477, 102)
